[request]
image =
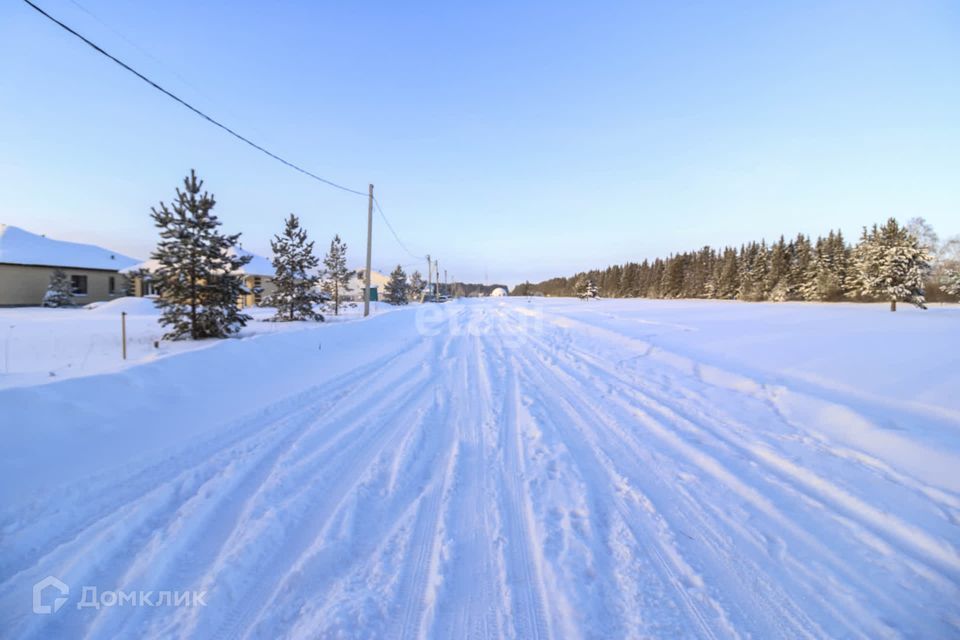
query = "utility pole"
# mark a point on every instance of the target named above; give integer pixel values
(366, 273)
(436, 272)
(429, 275)
(446, 287)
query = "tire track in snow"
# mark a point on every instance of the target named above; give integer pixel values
(465, 599)
(353, 541)
(560, 412)
(645, 522)
(112, 495)
(626, 395)
(802, 481)
(307, 514)
(129, 537)
(524, 562)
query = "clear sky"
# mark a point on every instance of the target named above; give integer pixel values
(513, 140)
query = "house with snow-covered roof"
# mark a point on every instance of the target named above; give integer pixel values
(28, 260)
(377, 283)
(257, 277)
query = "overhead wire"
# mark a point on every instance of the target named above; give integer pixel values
(189, 106)
(215, 122)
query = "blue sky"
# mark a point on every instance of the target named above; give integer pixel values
(511, 140)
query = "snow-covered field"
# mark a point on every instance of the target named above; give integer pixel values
(501, 468)
(44, 345)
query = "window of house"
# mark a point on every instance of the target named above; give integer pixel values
(112, 285)
(79, 285)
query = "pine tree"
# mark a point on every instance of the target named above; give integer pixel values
(59, 291)
(336, 276)
(892, 265)
(580, 287)
(296, 295)
(840, 263)
(592, 290)
(397, 288)
(671, 285)
(416, 285)
(197, 279)
(777, 285)
(753, 272)
(814, 280)
(585, 287)
(729, 279)
(951, 282)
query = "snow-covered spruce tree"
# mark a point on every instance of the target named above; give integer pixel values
(951, 282)
(59, 291)
(892, 265)
(729, 275)
(336, 276)
(296, 296)
(592, 290)
(397, 288)
(580, 287)
(416, 285)
(197, 278)
(777, 285)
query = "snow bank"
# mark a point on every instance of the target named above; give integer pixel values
(76, 427)
(39, 345)
(130, 305)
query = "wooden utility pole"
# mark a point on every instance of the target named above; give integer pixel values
(123, 332)
(366, 272)
(429, 275)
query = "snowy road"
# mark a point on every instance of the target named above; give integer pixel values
(515, 472)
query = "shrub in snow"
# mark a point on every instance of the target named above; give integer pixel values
(59, 292)
(296, 294)
(197, 281)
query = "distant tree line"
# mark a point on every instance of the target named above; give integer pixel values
(889, 263)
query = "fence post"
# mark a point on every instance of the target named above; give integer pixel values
(123, 331)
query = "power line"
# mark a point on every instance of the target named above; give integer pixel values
(136, 46)
(203, 115)
(211, 120)
(390, 227)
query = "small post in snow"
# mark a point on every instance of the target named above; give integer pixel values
(123, 332)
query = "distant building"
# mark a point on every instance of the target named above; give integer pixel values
(257, 278)
(28, 260)
(498, 292)
(377, 281)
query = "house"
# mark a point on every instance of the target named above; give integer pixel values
(257, 278)
(377, 282)
(28, 260)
